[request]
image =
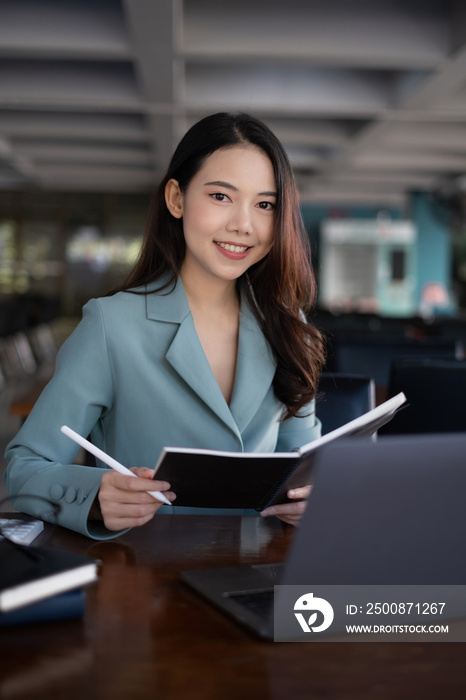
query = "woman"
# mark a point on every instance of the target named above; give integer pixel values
(205, 345)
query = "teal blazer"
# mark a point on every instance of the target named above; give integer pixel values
(134, 376)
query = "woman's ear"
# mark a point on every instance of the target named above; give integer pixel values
(174, 198)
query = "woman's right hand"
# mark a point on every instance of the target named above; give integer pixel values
(125, 502)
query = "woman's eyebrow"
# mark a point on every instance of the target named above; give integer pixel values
(221, 183)
(227, 185)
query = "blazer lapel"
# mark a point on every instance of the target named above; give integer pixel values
(255, 366)
(186, 354)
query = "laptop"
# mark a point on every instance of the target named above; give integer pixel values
(389, 512)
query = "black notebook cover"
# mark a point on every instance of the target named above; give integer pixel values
(214, 481)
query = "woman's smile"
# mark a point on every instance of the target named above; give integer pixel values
(233, 250)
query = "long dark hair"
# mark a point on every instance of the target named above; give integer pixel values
(281, 287)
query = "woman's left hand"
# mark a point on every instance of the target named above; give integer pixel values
(290, 513)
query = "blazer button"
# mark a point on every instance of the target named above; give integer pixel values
(81, 496)
(56, 492)
(70, 495)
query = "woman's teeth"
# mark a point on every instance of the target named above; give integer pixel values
(233, 248)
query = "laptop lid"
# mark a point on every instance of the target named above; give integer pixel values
(389, 512)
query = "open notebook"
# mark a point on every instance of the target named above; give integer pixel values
(254, 480)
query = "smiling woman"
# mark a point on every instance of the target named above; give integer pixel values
(205, 344)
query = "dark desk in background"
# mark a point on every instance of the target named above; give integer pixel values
(147, 635)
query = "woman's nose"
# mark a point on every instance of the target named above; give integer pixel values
(240, 221)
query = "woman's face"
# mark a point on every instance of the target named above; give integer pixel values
(228, 213)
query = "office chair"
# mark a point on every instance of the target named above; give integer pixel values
(436, 394)
(343, 397)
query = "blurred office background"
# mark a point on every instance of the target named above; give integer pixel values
(369, 98)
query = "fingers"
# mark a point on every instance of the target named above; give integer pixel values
(143, 484)
(301, 492)
(292, 512)
(144, 473)
(288, 512)
(125, 501)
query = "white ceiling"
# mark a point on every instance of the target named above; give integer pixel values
(368, 96)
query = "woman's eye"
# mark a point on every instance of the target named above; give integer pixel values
(220, 197)
(266, 205)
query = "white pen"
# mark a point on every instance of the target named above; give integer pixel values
(109, 461)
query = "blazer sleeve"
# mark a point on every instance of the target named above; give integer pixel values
(40, 458)
(296, 432)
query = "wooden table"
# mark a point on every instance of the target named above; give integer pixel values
(147, 635)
